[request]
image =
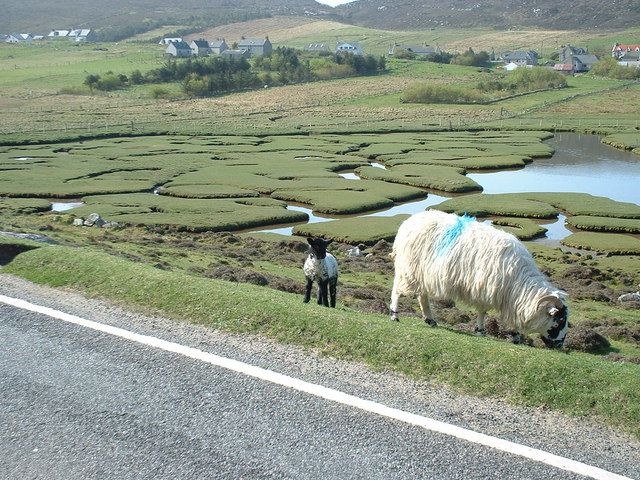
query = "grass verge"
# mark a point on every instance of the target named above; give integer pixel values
(573, 383)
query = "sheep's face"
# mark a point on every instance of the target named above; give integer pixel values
(557, 323)
(318, 247)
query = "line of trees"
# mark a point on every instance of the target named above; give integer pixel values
(213, 75)
(468, 58)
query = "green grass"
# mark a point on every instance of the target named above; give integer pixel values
(504, 204)
(611, 243)
(574, 383)
(605, 224)
(354, 231)
(435, 177)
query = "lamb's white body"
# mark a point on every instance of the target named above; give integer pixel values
(321, 267)
(320, 270)
(449, 257)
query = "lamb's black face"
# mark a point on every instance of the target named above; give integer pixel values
(558, 331)
(318, 247)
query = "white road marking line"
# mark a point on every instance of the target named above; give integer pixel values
(329, 394)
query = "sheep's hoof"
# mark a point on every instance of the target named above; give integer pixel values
(481, 332)
(431, 322)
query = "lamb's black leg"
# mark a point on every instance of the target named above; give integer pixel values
(307, 293)
(323, 296)
(332, 292)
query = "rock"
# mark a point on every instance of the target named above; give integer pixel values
(94, 220)
(78, 222)
(354, 252)
(629, 297)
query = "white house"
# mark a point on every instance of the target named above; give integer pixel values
(18, 38)
(82, 35)
(53, 34)
(168, 40)
(178, 49)
(619, 51)
(353, 48)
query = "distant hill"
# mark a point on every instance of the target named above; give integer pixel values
(40, 16)
(498, 14)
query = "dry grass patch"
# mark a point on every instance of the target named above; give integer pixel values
(278, 29)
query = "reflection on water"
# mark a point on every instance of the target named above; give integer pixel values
(581, 163)
(64, 206)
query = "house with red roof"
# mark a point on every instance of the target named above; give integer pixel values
(619, 51)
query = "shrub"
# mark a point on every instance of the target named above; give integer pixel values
(430, 93)
(608, 67)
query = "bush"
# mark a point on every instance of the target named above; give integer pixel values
(430, 93)
(609, 67)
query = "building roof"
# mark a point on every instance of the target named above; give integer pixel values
(520, 55)
(180, 45)
(252, 42)
(626, 48)
(200, 43)
(316, 47)
(217, 43)
(420, 49)
(349, 47)
(586, 59)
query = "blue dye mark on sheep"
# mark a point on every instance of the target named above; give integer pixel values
(452, 233)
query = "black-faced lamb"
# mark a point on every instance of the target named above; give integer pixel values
(449, 257)
(321, 267)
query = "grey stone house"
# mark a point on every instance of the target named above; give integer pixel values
(255, 46)
(565, 53)
(583, 63)
(200, 47)
(236, 53)
(520, 57)
(218, 46)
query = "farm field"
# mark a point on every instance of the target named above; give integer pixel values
(181, 181)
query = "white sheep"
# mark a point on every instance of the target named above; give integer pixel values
(321, 267)
(449, 257)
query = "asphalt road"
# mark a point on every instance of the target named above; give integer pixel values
(78, 403)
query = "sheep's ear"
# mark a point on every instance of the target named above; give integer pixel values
(310, 240)
(328, 242)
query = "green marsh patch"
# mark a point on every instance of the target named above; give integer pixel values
(360, 230)
(201, 181)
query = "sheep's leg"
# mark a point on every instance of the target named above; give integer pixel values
(393, 306)
(332, 292)
(307, 293)
(425, 307)
(480, 323)
(323, 295)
